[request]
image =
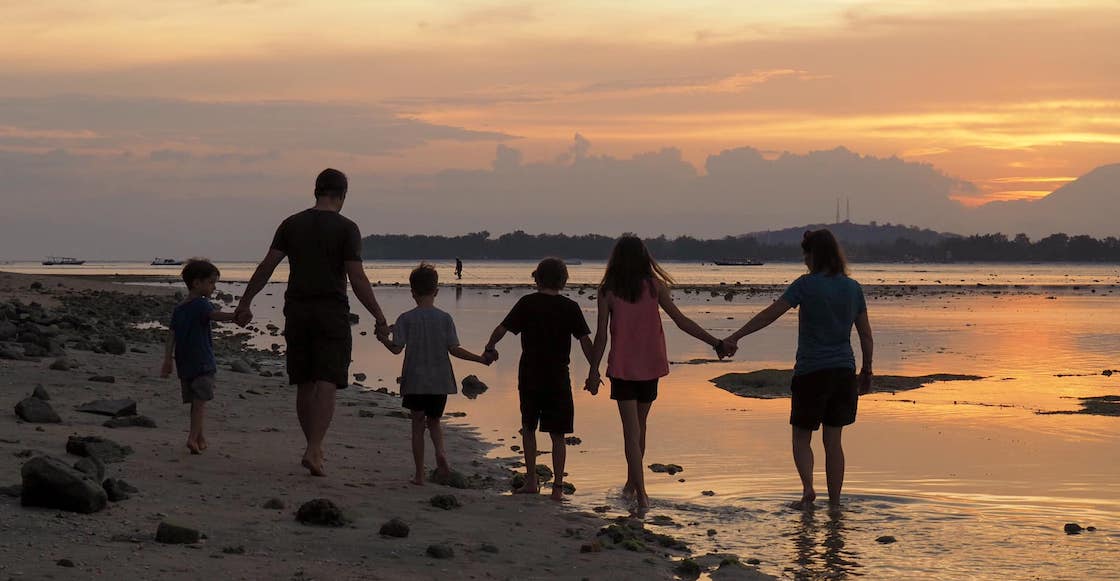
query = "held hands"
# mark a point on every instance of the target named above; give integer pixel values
(242, 315)
(726, 348)
(381, 330)
(593, 382)
(165, 369)
(864, 381)
(489, 355)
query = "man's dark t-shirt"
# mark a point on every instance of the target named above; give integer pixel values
(317, 244)
(546, 324)
(194, 343)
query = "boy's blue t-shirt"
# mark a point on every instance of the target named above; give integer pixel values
(194, 343)
(828, 307)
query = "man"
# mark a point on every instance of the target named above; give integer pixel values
(323, 250)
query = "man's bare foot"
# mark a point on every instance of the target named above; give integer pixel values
(530, 487)
(643, 501)
(202, 445)
(417, 480)
(315, 468)
(193, 447)
(628, 490)
(557, 493)
(806, 502)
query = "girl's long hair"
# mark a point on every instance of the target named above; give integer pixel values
(628, 269)
(824, 252)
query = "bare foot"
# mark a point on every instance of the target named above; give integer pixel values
(443, 471)
(417, 480)
(628, 490)
(193, 447)
(557, 493)
(530, 487)
(643, 501)
(806, 502)
(315, 468)
(202, 445)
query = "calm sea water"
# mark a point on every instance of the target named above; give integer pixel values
(970, 480)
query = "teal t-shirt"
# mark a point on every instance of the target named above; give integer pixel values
(827, 309)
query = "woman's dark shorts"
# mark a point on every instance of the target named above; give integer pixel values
(552, 408)
(199, 388)
(828, 396)
(644, 391)
(319, 342)
(431, 404)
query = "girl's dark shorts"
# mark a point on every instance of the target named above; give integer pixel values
(319, 342)
(828, 396)
(553, 408)
(644, 391)
(431, 404)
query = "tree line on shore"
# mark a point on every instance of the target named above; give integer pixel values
(519, 245)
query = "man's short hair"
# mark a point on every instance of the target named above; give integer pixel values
(424, 280)
(551, 273)
(198, 269)
(331, 182)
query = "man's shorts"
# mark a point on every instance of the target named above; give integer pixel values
(828, 396)
(553, 409)
(319, 342)
(199, 388)
(644, 391)
(430, 403)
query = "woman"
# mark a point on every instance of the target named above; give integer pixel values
(633, 288)
(825, 386)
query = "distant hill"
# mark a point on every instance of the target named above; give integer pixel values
(852, 233)
(1088, 205)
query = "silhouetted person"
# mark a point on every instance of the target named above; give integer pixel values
(323, 250)
(458, 269)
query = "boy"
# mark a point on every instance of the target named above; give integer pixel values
(192, 344)
(546, 321)
(427, 335)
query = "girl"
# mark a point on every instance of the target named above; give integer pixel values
(825, 388)
(633, 288)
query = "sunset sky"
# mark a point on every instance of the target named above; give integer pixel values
(1008, 99)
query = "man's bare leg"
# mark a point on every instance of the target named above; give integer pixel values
(194, 438)
(803, 459)
(435, 431)
(418, 425)
(529, 443)
(319, 421)
(305, 393)
(559, 458)
(833, 463)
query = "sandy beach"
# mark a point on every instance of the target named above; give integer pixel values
(253, 459)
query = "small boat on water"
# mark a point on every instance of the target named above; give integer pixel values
(573, 261)
(166, 262)
(62, 261)
(737, 262)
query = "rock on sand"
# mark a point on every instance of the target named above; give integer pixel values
(52, 483)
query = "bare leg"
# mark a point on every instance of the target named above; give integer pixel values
(559, 458)
(833, 463)
(198, 414)
(631, 437)
(321, 414)
(435, 430)
(305, 393)
(529, 442)
(418, 426)
(803, 459)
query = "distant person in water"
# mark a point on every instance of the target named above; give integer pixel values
(825, 386)
(427, 336)
(458, 269)
(547, 322)
(324, 251)
(633, 292)
(190, 345)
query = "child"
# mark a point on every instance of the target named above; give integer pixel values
(825, 386)
(426, 335)
(191, 342)
(546, 322)
(633, 288)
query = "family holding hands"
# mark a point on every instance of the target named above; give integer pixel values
(324, 251)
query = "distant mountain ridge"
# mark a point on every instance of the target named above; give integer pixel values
(853, 233)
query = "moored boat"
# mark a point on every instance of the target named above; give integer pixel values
(166, 262)
(737, 262)
(62, 261)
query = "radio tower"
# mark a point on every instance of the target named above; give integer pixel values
(837, 210)
(848, 215)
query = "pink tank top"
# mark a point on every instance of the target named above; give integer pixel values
(637, 338)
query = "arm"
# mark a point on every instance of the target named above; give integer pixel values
(490, 349)
(599, 346)
(588, 347)
(243, 313)
(761, 320)
(364, 291)
(169, 351)
(392, 347)
(665, 298)
(461, 353)
(867, 346)
(221, 316)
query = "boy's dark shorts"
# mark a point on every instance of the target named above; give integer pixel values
(199, 388)
(319, 342)
(644, 391)
(828, 396)
(552, 408)
(431, 404)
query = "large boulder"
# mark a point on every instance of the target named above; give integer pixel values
(103, 449)
(36, 411)
(110, 407)
(51, 483)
